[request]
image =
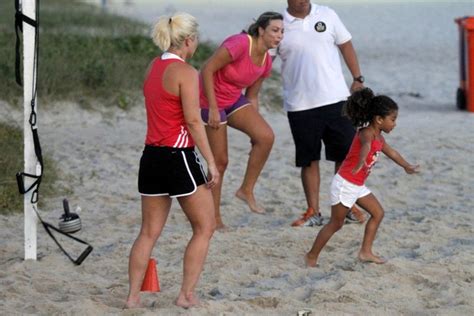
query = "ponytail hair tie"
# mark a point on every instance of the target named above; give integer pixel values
(169, 21)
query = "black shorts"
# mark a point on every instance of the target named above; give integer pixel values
(169, 171)
(324, 123)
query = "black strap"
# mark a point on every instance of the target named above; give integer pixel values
(81, 257)
(39, 155)
(48, 227)
(19, 19)
(21, 175)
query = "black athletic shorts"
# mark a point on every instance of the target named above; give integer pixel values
(327, 124)
(170, 171)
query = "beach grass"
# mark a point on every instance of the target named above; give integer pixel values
(86, 56)
(11, 143)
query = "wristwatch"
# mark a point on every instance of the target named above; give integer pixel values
(360, 79)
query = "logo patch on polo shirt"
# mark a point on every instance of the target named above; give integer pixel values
(320, 26)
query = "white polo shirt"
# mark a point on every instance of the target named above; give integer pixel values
(311, 67)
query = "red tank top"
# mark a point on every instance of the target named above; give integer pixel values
(164, 111)
(352, 158)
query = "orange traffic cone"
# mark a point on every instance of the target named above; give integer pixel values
(150, 281)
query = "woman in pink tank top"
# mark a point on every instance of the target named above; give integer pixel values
(169, 166)
(242, 62)
(372, 115)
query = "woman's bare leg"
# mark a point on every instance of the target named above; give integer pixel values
(199, 209)
(249, 121)
(155, 210)
(218, 143)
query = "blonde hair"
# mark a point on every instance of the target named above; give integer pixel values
(171, 31)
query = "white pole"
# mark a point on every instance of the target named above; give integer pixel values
(31, 221)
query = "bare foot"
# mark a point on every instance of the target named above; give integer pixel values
(250, 200)
(193, 300)
(187, 301)
(311, 262)
(371, 258)
(220, 227)
(132, 303)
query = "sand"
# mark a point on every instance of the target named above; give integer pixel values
(257, 267)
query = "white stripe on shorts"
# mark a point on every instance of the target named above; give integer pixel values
(200, 166)
(190, 175)
(159, 194)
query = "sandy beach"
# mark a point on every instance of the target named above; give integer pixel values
(257, 267)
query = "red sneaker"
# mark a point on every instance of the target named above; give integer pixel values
(304, 218)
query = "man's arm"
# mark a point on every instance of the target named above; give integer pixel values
(350, 57)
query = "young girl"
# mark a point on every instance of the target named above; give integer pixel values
(372, 115)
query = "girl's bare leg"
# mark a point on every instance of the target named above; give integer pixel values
(199, 209)
(373, 207)
(338, 215)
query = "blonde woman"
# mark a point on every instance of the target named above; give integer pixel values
(169, 166)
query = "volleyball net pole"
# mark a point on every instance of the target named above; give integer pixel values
(32, 165)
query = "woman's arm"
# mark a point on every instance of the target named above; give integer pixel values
(189, 93)
(398, 159)
(217, 61)
(251, 93)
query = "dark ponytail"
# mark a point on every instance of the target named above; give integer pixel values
(263, 21)
(362, 106)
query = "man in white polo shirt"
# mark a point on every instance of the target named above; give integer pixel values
(314, 91)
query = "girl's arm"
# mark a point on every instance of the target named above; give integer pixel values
(189, 93)
(366, 136)
(398, 159)
(217, 61)
(252, 92)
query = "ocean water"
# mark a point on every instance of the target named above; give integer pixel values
(407, 49)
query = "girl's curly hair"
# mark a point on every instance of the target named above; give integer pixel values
(362, 106)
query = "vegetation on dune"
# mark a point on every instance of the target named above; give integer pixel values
(11, 161)
(85, 55)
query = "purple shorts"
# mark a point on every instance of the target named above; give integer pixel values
(227, 111)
